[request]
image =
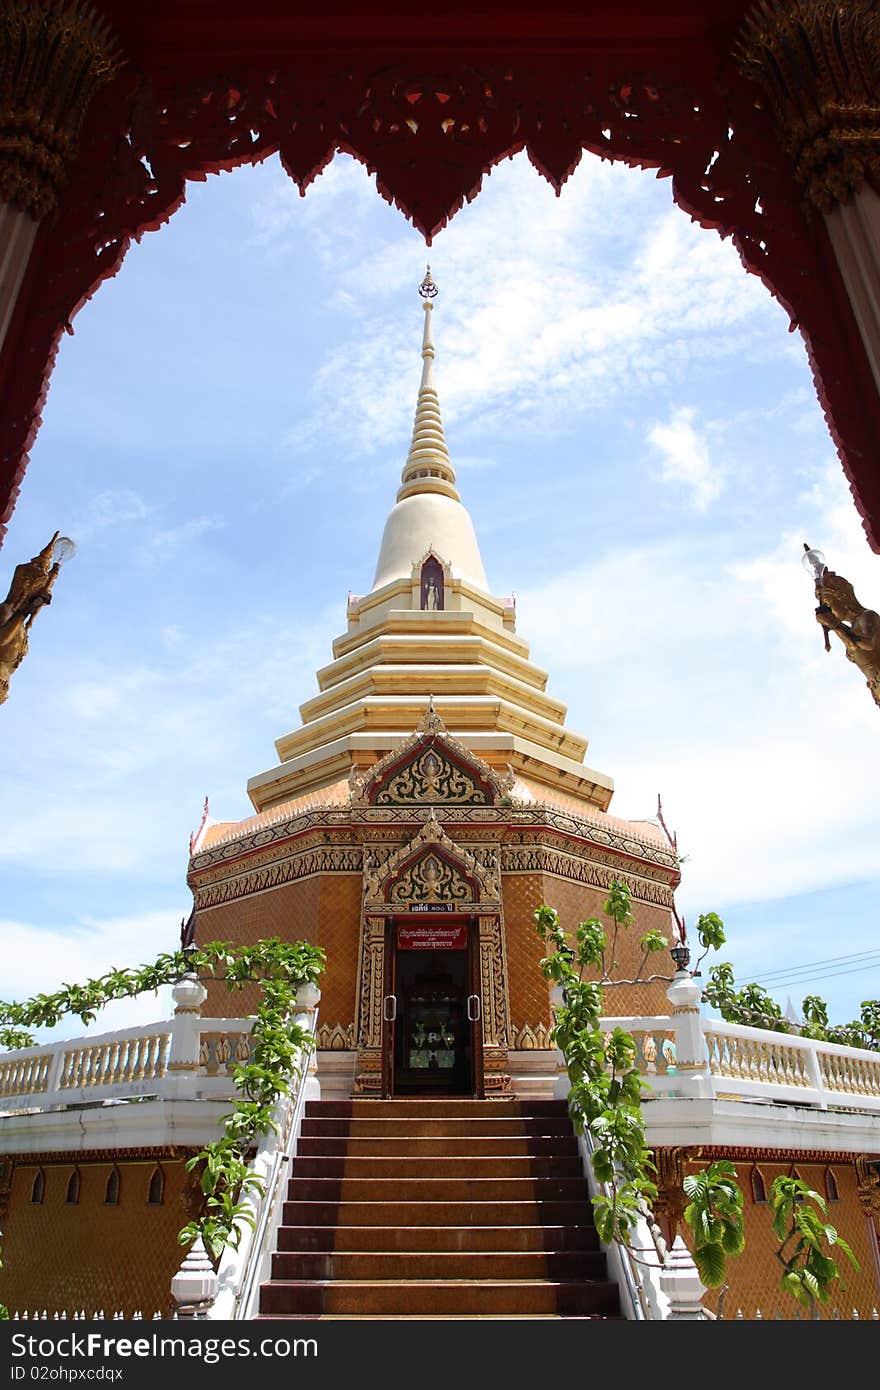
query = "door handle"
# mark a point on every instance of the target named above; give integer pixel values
(474, 1008)
(389, 1008)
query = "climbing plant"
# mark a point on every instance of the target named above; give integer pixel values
(753, 1007)
(605, 1097)
(277, 1043)
(605, 1085)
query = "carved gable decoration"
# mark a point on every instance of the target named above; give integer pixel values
(431, 768)
(431, 868)
(431, 879)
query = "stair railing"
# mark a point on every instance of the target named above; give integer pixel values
(242, 1270)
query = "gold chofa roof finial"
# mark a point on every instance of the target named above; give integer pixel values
(428, 288)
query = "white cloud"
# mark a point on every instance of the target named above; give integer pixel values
(40, 960)
(685, 459)
(108, 509)
(536, 319)
(161, 544)
(710, 684)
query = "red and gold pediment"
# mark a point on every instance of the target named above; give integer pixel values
(430, 769)
(430, 869)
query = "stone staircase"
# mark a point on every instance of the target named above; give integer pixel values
(438, 1208)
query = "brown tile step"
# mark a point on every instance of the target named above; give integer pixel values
(358, 1239)
(429, 1189)
(441, 1146)
(439, 1264)
(469, 1213)
(466, 1299)
(434, 1109)
(418, 1168)
(423, 1127)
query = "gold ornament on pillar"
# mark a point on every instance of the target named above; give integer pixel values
(819, 63)
(53, 59)
(30, 590)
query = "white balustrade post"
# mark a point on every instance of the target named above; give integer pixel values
(682, 1285)
(691, 1060)
(194, 1286)
(183, 1061)
(308, 997)
(814, 1072)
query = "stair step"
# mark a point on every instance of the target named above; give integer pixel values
(414, 1239)
(438, 1146)
(426, 1213)
(424, 1127)
(429, 1189)
(395, 1297)
(419, 1169)
(449, 1108)
(394, 1265)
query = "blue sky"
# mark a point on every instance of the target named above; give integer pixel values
(639, 443)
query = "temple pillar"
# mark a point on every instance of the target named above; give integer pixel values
(495, 1007)
(819, 67)
(371, 987)
(53, 58)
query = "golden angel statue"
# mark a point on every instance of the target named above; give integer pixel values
(30, 590)
(858, 628)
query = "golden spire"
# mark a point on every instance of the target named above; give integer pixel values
(427, 468)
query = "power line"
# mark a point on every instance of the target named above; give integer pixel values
(814, 964)
(820, 975)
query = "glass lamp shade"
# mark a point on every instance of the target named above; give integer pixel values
(813, 562)
(63, 550)
(681, 956)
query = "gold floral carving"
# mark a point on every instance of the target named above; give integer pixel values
(532, 1037)
(337, 1037)
(53, 59)
(493, 982)
(819, 63)
(372, 982)
(868, 1179)
(670, 1201)
(538, 858)
(429, 768)
(431, 867)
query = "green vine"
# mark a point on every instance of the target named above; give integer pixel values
(753, 1007)
(605, 1097)
(604, 1094)
(276, 1042)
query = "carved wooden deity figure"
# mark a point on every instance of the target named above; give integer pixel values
(30, 590)
(858, 628)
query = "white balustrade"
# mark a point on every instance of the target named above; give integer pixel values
(126, 1064)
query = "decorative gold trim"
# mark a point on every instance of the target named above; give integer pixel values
(336, 1037)
(669, 1204)
(868, 1179)
(532, 1037)
(446, 784)
(53, 59)
(818, 61)
(405, 860)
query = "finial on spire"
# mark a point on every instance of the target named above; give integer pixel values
(428, 287)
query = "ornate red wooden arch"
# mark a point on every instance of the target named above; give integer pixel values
(429, 101)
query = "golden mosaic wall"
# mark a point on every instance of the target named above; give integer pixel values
(90, 1255)
(521, 894)
(324, 908)
(754, 1275)
(574, 902)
